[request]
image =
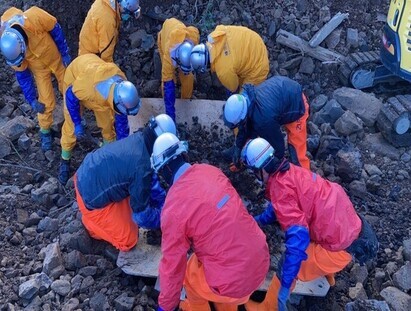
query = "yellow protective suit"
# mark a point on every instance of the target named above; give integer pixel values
(83, 74)
(99, 34)
(42, 56)
(238, 56)
(171, 35)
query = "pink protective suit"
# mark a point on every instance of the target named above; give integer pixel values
(301, 197)
(203, 212)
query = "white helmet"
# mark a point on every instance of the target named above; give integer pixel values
(129, 8)
(235, 110)
(13, 46)
(199, 58)
(257, 153)
(183, 54)
(126, 99)
(166, 148)
(162, 124)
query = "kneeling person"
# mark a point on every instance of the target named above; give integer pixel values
(116, 190)
(323, 232)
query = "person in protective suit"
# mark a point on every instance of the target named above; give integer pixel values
(103, 88)
(236, 54)
(33, 43)
(175, 42)
(203, 212)
(323, 232)
(116, 190)
(262, 110)
(99, 34)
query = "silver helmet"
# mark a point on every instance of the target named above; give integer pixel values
(182, 58)
(129, 8)
(126, 99)
(13, 46)
(200, 58)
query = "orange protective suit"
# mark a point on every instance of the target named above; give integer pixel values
(99, 34)
(42, 56)
(238, 56)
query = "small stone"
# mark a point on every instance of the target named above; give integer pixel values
(14, 128)
(402, 278)
(148, 42)
(50, 155)
(53, 261)
(7, 110)
(5, 147)
(48, 224)
(99, 302)
(396, 299)
(75, 260)
(349, 164)
(352, 37)
(391, 267)
(318, 103)
(405, 157)
(272, 28)
(151, 87)
(367, 305)
(357, 292)
(71, 305)
(61, 287)
(85, 285)
(307, 65)
(136, 38)
(358, 274)
(325, 14)
(407, 249)
(29, 289)
(358, 188)
(87, 271)
(348, 124)
(124, 303)
(24, 142)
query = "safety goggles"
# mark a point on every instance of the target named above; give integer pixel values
(120, 108)
(126, 14)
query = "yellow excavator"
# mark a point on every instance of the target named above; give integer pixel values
(391, 64)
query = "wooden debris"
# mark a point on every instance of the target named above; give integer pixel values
(288, 39)
(327, 29)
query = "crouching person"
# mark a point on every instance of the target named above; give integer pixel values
(204, 213)
(323, 232)
(116, 190)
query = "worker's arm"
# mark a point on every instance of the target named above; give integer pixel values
(228, 78)
(60, 40)
(267, 217)
(167, 76)
(73, 107)
(121, 126)
(174, 247)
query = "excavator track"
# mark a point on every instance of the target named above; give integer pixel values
(355, 61)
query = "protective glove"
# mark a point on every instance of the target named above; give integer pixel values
(121, 126)
(160, 308)
(267, 217)
(282, 298)
(66, 59)
(37, 106)
(170, 98)
(148, 219)
(237, 156)
(79, 131)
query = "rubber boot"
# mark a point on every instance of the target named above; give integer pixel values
(270, 302)
(225, 307)
(64, 171)
(46, 141)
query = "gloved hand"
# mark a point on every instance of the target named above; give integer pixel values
(237, 156)
(79, 131)
(37, 106)
(66, 58)
(282, 298)
(267, 217)
(160, 308)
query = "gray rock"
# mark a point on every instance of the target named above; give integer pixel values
(333, 39)
(7, 110)
(87, 271)
(307, 65)
(292, 63)
(396, 299)
(48, 224)
(349, 164)
(318, 103)
(17, 126)
(124, 303)
(42, 194)
(272, 28)
(402, 278)
(80, 241)
(407, 249)
(44, 281)
(53, 261)
(71, 305)
(99, 302)
(136, 38)
(34, 305)
(363, 105)
(391, 267)
(5, 148)
(226, 20)
(151, 87)
(367, 305)
(61, 287)
(348, 124)
(74, 260)
(325, 14)
(29, 289)
(358, 188)
(405, 157)
(358, 274)
(378, 145)
(352, 37)
(33, 220)
(86, 284)
(329, 145)
(58, 118)
(148, 42)
(357, 292)
(24, 142)
(372, 169)
(330, 113)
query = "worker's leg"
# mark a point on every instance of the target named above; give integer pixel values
(297, 138)
(187, 83)
(321, 262)
(59, 74)
(68, 139)
(270, 301)
(45, 90)
(113, 223)
(105, 121)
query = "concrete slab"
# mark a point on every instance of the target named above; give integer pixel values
(208, 112)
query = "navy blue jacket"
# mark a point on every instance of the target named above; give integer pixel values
(118, 170)
(275, 102)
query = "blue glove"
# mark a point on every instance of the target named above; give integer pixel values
(267, 217)
(297, 240)
(26, 82)
(58, 38)
(282, 298)
(121, 126)
(148, 219)
(169, 89)
(158, 195)
(37, 106)
(160, 308)
(79, 131)
(73, 106)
